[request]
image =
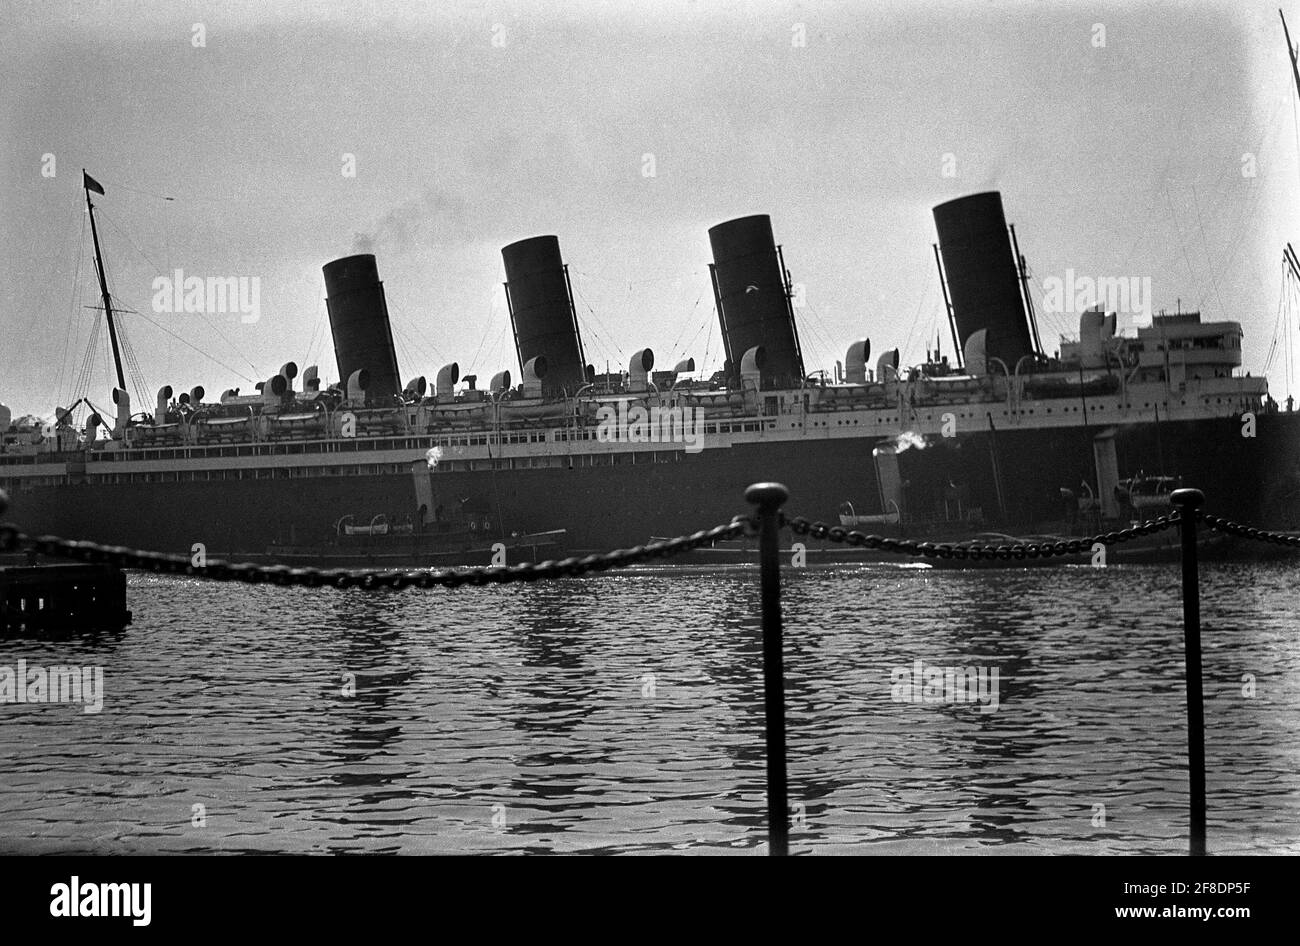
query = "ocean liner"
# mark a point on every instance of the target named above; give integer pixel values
(1003, 436)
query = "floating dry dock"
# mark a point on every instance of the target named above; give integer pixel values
(50, 599)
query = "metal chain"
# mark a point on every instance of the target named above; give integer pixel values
(11, 539)
(967, 550)
(1246, 532)
(369, 579)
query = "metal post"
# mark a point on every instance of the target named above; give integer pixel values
(769, 497)
(1189, 500)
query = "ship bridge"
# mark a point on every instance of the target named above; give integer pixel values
(1181, 347)
(1174, 348)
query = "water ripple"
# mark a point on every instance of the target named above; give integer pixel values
(623, 714)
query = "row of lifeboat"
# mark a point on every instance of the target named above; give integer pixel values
(276, 411)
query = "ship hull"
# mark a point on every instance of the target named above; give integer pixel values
(1010, 480)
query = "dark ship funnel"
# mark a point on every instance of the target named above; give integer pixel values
(542, 315)
(358, 314)
(982, 276)
(752, 292)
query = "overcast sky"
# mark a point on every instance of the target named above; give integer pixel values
(476, 124)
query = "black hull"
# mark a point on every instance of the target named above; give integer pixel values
(1251, 480)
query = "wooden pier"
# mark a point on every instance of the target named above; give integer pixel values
(59, 599)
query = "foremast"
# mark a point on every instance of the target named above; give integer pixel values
(90, 184)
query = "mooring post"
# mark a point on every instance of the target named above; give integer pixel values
(769, 497)
(1188, 501)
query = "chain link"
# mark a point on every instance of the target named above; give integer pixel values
(1246, 532)
(968, 550)
(367, 579)
(373, 579)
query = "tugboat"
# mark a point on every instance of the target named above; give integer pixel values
(435, 536)
(384, 544)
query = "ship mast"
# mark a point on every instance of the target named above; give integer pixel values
(89, 183)
(1291, 53)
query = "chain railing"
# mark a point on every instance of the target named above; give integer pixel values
(768, 499)
(1228, 527)
(366, 579)
(974, 551)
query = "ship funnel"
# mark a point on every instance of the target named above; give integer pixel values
(448, 375)
(982, 277)
(123, 402)
(855, 362)
(164, 395)
(752, 292)
(416, 387)
(358, 311)
(500, 382)
(6, 417)
(887, 366)
(975, 356)
(541, 313)
(638, 372)
(535, 370)
(311, 379)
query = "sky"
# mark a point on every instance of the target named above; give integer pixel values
(1163, 145)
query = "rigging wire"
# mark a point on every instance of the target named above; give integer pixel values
(82, 382)
(487, 329)
(75, 309)
(686, 323)
(1247, 213)
(496, 347)
(201, 314)
(403, 349)
(708, 340)
(639, 282)
(427, 344)
(704, 323)
(311, 342)
(128, 353)
(818, 334)
(132, 364)
(187, 344)
(577, 289)
(1277, 320)
(1205, 246)
(1182, 245)
(916, 317)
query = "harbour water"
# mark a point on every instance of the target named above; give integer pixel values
(623, 714)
